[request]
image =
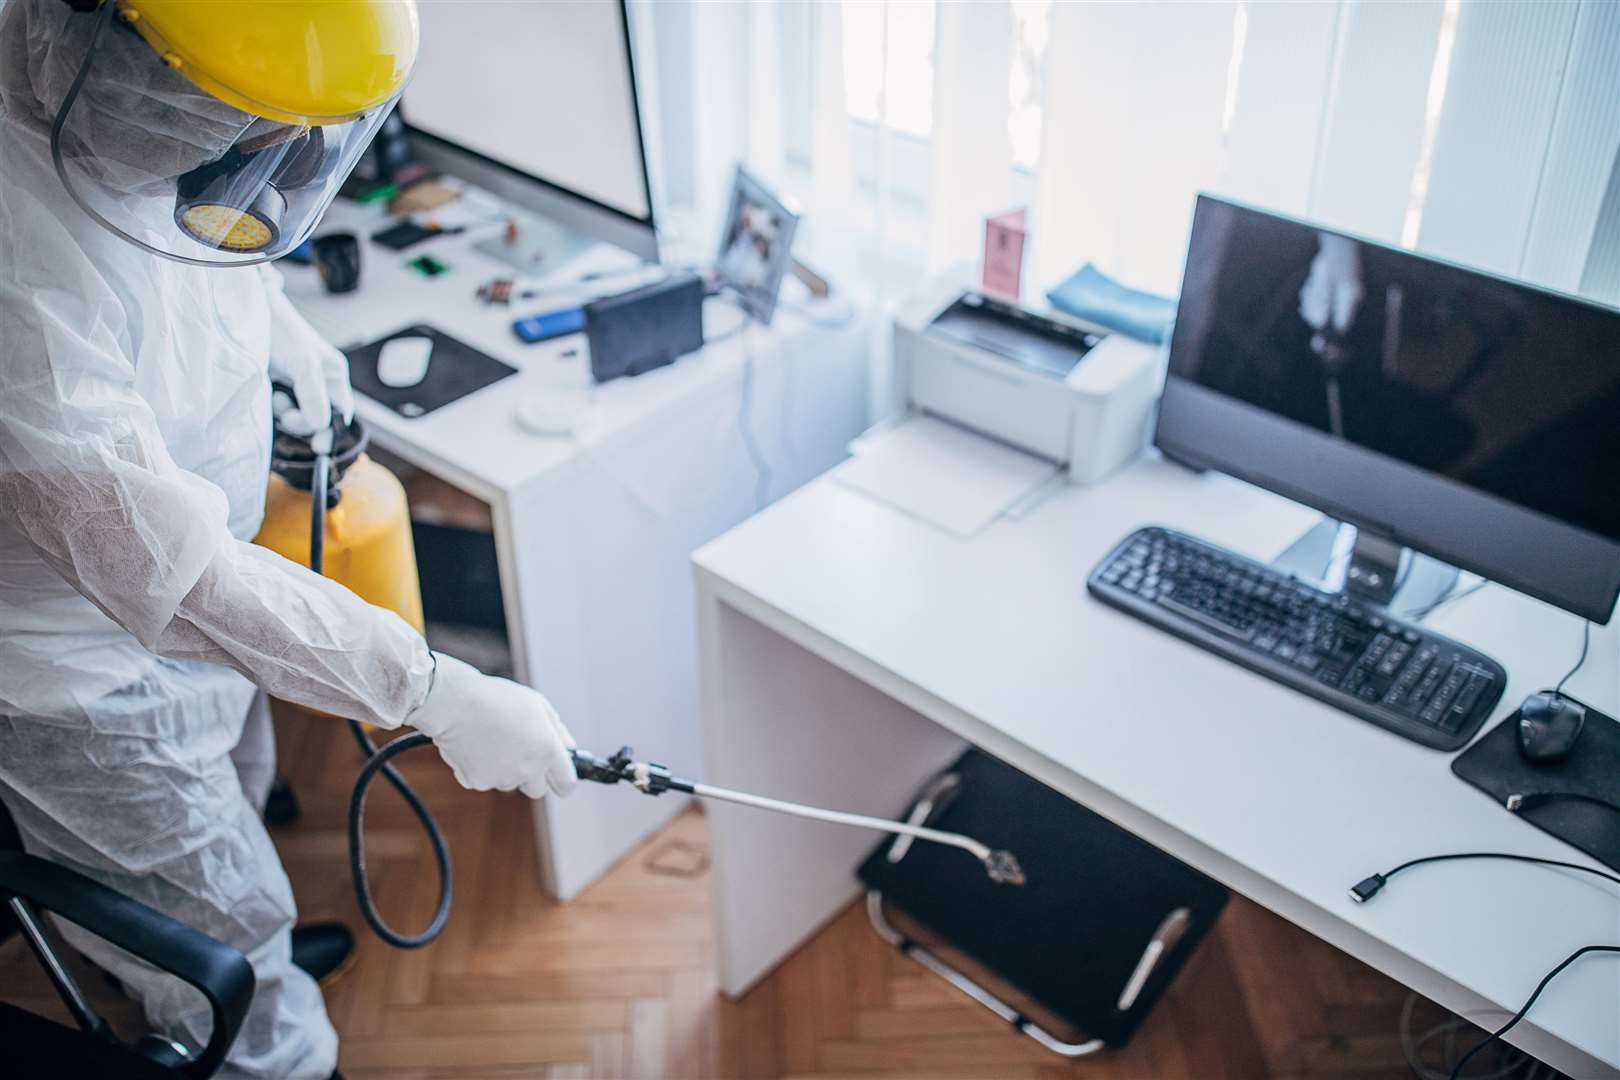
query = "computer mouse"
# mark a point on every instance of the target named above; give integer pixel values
(403, 361)
(1549, 724)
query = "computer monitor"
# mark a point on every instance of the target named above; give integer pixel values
(1462, 415)
(537, 102)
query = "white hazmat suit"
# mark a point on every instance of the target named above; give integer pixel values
(135, 617)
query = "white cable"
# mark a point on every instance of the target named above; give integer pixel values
(745, 423)
(838, 817)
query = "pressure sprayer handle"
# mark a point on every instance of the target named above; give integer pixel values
(653, 779)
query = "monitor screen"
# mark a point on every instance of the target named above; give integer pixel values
(543, 88)
(1410, 395)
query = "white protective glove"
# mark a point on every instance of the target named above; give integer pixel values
(495, 733)
(317, 371)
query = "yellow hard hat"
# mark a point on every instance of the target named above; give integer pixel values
(291, 61)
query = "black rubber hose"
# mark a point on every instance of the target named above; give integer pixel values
(317, 512)
(377, 760)
(379, 763)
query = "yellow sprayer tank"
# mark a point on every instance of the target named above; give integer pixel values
(367, 545)
(368, 536)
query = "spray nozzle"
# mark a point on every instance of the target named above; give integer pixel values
(1003, 868)
(653, 779)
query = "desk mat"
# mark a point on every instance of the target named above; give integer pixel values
(456, 370)
(1493, 765)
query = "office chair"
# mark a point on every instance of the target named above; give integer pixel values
(37, 1047)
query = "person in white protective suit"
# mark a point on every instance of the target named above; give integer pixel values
(137, 623)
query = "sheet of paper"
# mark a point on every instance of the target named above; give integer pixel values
(944, 474)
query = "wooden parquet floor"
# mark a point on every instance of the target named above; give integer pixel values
(620, 982)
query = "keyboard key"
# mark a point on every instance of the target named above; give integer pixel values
(1204, 619)
(1477, 682)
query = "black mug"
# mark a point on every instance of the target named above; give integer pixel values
(337, 257)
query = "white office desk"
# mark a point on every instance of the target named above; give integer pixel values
(593, 531)
(848, 651)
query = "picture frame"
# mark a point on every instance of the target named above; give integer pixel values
(756, 245)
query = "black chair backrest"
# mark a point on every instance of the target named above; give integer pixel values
(10, 840)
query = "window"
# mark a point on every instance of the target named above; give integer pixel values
(1026, 84)
(889, 64)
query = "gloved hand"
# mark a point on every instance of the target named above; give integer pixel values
(315, 369)
(319, 377)
(495, 733)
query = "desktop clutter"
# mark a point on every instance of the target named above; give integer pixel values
(635, 316)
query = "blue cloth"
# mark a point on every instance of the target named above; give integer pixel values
(1091, 295)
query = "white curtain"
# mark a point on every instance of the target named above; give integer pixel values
(1488, 133)
(972, 150)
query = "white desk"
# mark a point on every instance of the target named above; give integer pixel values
(848, 651)
(593, 531)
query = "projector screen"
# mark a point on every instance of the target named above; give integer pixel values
(542, 86)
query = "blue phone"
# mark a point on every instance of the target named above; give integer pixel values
(550, 324)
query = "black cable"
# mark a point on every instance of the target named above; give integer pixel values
(1525, 1008)
(1586, 644)
(1369, 887)
(377, 760)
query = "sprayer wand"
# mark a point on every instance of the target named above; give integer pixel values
(650, 778)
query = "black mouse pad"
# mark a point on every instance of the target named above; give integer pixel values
(1495, 766)
(1072, 935)
(455, 370)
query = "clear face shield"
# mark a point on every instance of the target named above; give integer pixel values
(176, 171)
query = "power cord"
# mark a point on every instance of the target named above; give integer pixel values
(1370, 886)
(1525, 1008)
(1586, 645)
(1512, 1064)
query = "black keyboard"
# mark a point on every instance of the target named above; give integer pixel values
(1355, 656)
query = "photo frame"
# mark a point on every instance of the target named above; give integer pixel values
(756, 245)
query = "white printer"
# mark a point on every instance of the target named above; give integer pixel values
(1076, 395)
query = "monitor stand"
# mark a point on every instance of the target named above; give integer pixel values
(1339, 557)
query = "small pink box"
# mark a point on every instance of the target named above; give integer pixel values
(1003, 253)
